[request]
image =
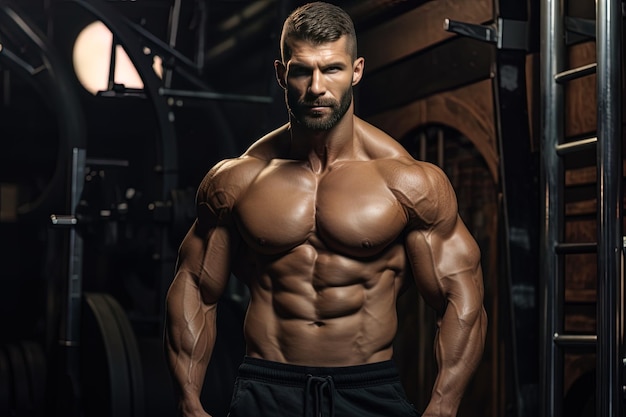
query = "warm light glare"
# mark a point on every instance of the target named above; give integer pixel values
(92, 58)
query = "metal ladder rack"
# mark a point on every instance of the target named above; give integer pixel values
(608, 342)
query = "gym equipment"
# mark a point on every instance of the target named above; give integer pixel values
(27, 52)
(111, 369)
(608, 341)
(22, 379)
(92, 363)
(519, 196)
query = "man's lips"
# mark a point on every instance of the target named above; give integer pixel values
(317, 104)
(317, 107)
(316, 110)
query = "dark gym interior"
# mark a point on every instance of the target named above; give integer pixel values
(112, 111)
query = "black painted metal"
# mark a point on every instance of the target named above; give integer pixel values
(451, 65)
(118, 391)
(505, 33)
(477, 32)
(209, 95)
(22, 379)
(518, 179)
(34, 357)
(518, 182)
(578, 30)
(25, 50)
(66, 353)
(19, 384)
(166, 168)
(168, 164)
(133, 358)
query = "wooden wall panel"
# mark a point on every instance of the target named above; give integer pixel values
(468, 109)
(467, 106)
(580, 94)
(451, 65)
(418, 29)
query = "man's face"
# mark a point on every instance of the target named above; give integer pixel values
(318, 82)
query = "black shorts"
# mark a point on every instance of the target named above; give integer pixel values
(272, 389)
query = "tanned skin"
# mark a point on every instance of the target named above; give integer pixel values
(325, 227)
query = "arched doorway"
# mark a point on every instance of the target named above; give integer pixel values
(478, 207)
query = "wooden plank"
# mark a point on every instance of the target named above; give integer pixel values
(580, 176)
(455, 63)
(578, 295)
(469, 110)
(581, 208)
(584, 175)
(580, 94)
(418, 29)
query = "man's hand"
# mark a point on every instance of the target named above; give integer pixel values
(192, 409)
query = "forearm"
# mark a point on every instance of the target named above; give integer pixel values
(459, 347)
(190, 336)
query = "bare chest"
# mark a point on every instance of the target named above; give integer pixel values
(349, 210)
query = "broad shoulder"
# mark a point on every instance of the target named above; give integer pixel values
(274, 145)
(422, 188)
(225, 181)
(223, 184)
(375, 143)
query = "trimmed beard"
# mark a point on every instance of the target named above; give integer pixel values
(320, 123)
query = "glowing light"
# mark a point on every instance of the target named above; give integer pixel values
(92, 59)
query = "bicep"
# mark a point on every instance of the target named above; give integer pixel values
(445, 263)
(205, 258)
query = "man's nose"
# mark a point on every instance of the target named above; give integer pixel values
(318, 86)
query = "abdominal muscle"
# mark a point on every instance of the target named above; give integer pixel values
(315, 308)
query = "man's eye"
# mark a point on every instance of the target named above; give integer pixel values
(298, 72)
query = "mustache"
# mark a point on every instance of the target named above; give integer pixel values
(317, 103)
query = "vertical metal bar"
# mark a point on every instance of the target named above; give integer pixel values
(71, 330)
(552, 61)
(112, 62)
(69, 337)
(609, 383)
(519, 232)
(172, 37)
(201, 36)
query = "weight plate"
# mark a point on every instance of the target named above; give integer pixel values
(104, 353)
(35, 361)
(21, 394)
(133, 358)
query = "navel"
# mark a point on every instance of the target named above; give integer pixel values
(366, 244)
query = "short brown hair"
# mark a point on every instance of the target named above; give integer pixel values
(318, 23)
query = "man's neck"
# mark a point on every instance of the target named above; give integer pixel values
(323, 147)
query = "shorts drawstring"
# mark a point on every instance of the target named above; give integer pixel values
(315, 385)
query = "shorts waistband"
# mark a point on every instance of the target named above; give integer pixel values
(343, 376)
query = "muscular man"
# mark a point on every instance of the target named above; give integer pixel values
(324, 219)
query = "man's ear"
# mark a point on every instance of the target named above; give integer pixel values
(357, 70)
(280, 70)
